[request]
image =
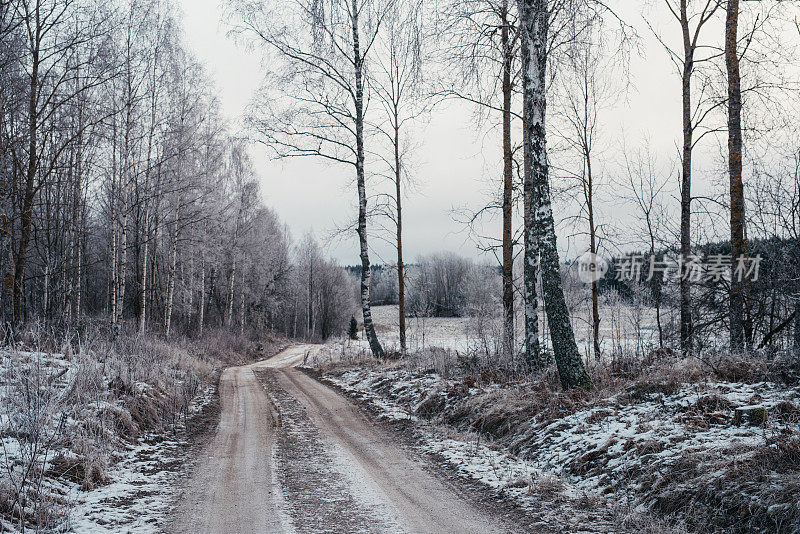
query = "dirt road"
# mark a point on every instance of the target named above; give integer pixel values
(291, 455)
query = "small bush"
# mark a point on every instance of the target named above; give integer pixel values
(353, 332)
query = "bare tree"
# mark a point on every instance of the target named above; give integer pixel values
(396, 81)
(325, 47)
(483, 38)
(739, 249)
(585, 90)
(646, 185)
(692, 16)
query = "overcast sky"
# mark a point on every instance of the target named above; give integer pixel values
(454, 162)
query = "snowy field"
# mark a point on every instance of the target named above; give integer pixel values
(624, 329)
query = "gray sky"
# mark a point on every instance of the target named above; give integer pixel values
(454, 161)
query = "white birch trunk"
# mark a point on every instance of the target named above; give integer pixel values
(123, 255)
(369, 327)
(202, 307)
(231, 279)
(534, 26)
(172, 264)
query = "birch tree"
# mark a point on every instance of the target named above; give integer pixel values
(535, 21)
(534, 359)
(318, 108)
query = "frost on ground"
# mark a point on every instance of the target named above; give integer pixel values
(547, 498)
(140, 495)
(654, 446)
(90, 442)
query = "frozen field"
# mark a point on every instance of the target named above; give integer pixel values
(624, 329)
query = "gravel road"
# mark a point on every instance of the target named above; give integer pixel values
(292, 455)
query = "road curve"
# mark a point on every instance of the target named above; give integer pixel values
(292, 455)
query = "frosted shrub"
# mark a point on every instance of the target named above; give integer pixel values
(31, 423)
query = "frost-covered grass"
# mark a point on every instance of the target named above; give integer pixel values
(91, 430)
(661, 441)
(139, 496)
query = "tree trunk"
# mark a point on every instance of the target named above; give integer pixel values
(595, 284)
(310, 320)
(77, 226)
(46, 291)
(241, 323)
(231, 279)
(797, 326)
(79, 272)
(124, 194)
(369, 327)
(738, 245)
(533, 353)
(589, 194)
(143, 289)
(401, 277)
(686, 182)
(508, 189)
(534, 21)
(123, 253)
(5, 236)
(655, 289)
(202, 307)
(112, 293)
(172, 264)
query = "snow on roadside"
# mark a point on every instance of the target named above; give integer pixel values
(472, 459)
(620, 445)
(137, 499)
(83, 412)
(143, 488)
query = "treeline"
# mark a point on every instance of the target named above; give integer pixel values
(437, 285)
(772, 309)
(123, 193)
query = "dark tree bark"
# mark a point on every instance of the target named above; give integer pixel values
(508, 186)
(686, 178)
(691, 119)
(534, 27)
(738, 243)
(401, 275)
(593, 250)
(797, 326)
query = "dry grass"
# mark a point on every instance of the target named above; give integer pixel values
(92, 396)
(709, 490)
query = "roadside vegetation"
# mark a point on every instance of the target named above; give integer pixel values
(657, 442)
(75, 406)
